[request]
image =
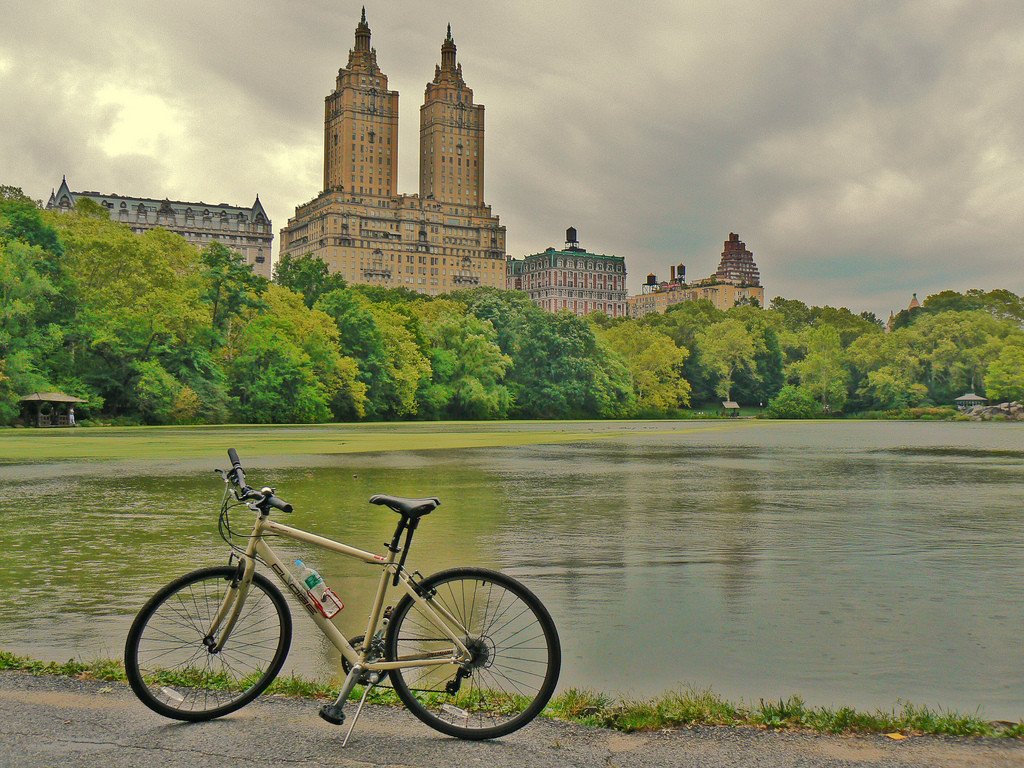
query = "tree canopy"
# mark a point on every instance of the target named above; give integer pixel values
(149, 329)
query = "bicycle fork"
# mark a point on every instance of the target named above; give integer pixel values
(230, 607)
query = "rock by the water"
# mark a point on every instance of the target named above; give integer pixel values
(1011, 411)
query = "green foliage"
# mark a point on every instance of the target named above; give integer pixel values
(467, 364)
(9, 405)
(794, 403)
(821, 371)
(725, 348)
(155, 392)
(21, 220)
(230, 286)
(559, 367)
(1001, 304)
(274, 379)
(146, 328)
(1005, 377)
(307, 275)
(655, 364)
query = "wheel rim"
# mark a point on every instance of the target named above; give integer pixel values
(175, 656)
(511, 643)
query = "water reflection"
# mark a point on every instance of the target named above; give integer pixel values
(850, 563)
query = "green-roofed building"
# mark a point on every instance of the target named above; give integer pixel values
(572, 279)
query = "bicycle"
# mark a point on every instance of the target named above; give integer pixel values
(471, 652)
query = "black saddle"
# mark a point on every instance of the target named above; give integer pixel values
(414, 508)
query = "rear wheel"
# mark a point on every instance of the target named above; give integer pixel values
(169, 658)
(516, 655)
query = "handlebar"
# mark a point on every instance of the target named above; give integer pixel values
(264, 497)
(277, 503)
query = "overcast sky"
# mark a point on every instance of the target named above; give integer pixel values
(862, 150)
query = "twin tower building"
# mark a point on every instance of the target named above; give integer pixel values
(439, 240)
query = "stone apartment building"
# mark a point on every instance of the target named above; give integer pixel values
(245, 230)
(737, 280)
(572, 278)
(443, 238)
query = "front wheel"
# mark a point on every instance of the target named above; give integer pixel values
(169, 657)
(515, 662)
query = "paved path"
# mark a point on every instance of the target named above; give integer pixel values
(50, 721)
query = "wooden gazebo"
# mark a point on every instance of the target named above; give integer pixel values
(969, 400)
(730, 408)
(52, 409)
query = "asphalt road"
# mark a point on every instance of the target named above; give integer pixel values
(51, 721)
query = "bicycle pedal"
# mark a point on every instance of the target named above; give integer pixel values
(332, 714)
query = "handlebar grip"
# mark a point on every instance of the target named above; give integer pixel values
(233, 455)
(277, 503)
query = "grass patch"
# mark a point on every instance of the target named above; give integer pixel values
(687, 707)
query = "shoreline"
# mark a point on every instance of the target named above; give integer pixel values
(21, 446)
(680, 709)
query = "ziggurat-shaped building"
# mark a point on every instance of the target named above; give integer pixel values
(443, 238)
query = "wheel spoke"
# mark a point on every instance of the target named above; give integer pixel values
(177, 675)
(514, 655)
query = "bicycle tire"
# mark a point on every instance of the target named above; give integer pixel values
(517, 655)
(170, 668)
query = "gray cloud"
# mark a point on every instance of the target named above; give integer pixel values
(862, 150)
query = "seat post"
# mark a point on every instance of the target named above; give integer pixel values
(399, 529)
(409, 524)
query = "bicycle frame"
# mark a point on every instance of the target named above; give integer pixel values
(257, 547)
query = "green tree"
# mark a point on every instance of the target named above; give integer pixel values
(886, 371)
(793, 403)
(956, 348)
(230, 286)
(274, 379)
(821, 372)
(794, 313)
(156, 392)
(385, 347)
(21, 219)
(725, 348)
(681, 323)
(317, 335)
(467, 365)
(655, 364)
(760, 383)
(10, 406)
(405, 365)
(307, 275)
(1005, 377)
(138, 298)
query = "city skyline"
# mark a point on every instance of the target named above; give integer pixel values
(863, 153)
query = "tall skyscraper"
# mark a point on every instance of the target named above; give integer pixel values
(436, 241)
(361, 124)
(451, 135)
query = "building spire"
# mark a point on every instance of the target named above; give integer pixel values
(363, 33)
(448, 52)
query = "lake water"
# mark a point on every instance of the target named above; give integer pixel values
(850, 563)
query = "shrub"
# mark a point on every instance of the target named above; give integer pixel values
(794, 403)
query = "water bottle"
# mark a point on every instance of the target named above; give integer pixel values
(323, 597)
